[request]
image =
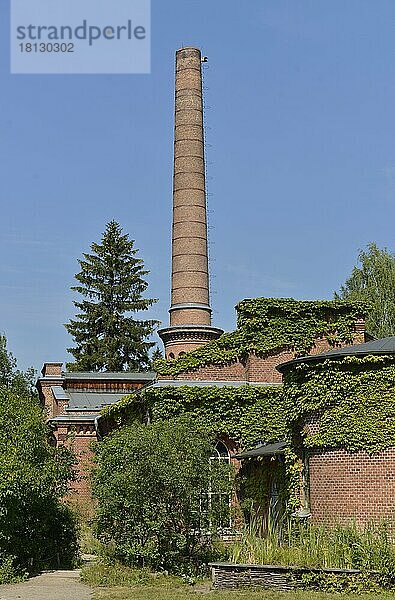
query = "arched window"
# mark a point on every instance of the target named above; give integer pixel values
(220, 452)
(220, 501)
(171, 355)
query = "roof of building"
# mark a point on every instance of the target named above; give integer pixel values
(264, 450)
(92, 401)
(73, 419)
(209, 383)
(59, 393)
(113, 376)
(382, 346)
(86, 400)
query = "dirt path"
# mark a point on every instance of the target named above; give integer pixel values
(59, 585)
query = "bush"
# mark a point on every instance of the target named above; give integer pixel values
(152, 484)
(36, 528)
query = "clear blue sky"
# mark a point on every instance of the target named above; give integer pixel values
(301, 159)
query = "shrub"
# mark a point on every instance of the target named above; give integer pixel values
(153, 486)
(35, 527)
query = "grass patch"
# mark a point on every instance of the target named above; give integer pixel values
(117, 582)
(114, 574)
(184, 593)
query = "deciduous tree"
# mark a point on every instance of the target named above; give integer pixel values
(373, 281)
(37, 530)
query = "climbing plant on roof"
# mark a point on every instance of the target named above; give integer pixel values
(268, 324)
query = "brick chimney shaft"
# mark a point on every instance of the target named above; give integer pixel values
(190, 304)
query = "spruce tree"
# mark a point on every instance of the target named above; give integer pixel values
(107, 334)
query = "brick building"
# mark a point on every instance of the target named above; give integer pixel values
(348, 476)
(336, 483)
(73, 402)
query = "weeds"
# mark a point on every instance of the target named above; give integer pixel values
(301, 544)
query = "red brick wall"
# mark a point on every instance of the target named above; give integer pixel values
(103, 386)
(264, 369)
(256, 368)
(345, 486)
(80, 445)
(231, 372)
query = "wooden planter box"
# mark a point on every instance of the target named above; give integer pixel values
(233, 576)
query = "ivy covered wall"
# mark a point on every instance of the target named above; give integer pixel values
(266, 325)
(245, 414)
(351, 399)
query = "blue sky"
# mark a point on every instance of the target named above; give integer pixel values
(301, 159)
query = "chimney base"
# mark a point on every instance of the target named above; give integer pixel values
(184, 338)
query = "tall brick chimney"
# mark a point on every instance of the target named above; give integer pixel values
(190, 312)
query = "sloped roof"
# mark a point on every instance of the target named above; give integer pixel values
(118, 376)
(382, 346)
(210, 383)
(92, 401)
(264, 450)
(82, 401)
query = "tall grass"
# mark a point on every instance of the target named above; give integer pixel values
(302, 544)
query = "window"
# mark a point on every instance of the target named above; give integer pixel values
(220, 502)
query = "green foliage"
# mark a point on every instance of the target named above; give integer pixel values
(354, 398)
(152, 512)
(108, 336)
(246, 414)
(251, 414)
(107, 573)
(10, 376)
(36, 530)
(35, 527)
(268, 324)
(300, 544)
(340, 583)
(374, 281)
(9, 571)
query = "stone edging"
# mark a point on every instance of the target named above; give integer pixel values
(232, 575)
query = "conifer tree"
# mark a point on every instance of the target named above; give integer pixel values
(107, 334)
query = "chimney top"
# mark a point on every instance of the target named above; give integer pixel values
(52, 369)
(189, 48)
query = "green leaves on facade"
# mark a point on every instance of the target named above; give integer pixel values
(272, 324)
(246, 414)
(353, 398)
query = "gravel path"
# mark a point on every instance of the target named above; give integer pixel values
(59, 585)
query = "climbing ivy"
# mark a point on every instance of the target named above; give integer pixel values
(353, 398)
(268, 324)
(246, 414)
